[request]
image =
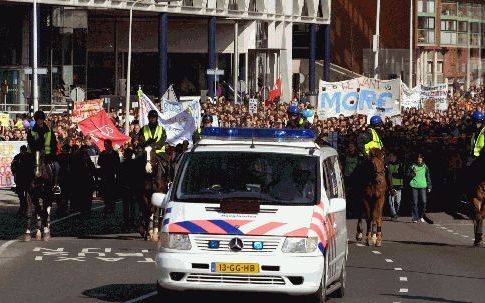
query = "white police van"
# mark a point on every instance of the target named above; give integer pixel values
(255, 210)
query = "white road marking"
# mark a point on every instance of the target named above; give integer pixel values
(403, 290)
(107, 250)
(109, 259)
(403, 279)
(60, 249)
(79, 259)
(376, 252)
(5, 245)
(455, 233)
(147, 260)
(144, 251)
(397, 268)
(442, 227)
(38, 258)
(389, 261)
(466, 236)
(449, 230)
(129, 254)
(360, 244)
(153, 293)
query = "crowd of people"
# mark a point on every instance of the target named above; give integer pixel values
(442, 138)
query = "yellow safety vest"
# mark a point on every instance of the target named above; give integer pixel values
(375, 143)
(479, 143)
(47, 140)
(159, 132)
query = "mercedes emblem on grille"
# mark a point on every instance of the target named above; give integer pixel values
(236, 244)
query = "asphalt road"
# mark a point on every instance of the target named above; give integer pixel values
(93, 261)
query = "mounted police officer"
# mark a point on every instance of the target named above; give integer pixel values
(41, 138)
(296, 119)
(152, 134)
(478, 137)
(206, 122)
(370, 139)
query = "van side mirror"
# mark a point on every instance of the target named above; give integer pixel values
(158, 199)
(337, 205)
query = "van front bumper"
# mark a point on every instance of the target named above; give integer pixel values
(282, 273)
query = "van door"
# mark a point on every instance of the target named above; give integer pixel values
(336, 216)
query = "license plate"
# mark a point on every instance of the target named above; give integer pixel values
(241, 268)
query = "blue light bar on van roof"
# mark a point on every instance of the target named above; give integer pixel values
(259, 133)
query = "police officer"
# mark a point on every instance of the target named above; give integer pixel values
(478, 136)
(370, 139)
(296, 119)
(153, 134)
(206, 122)
(41, 138)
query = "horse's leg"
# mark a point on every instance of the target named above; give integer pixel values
(156, 216)
(38, 214)
(359, 235)
(368, 219)
(379, 207)
(29, 212)
(478, 221)
(46, 216)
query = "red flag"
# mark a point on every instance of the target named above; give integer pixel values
(100, 128)
(275, 93)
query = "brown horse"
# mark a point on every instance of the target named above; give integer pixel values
(478, 201)
(372, 195)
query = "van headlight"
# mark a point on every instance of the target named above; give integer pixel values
(300, 245)
(175, 241)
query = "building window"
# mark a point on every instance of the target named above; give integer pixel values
(425, 23)
(448, 25)
(463, 26)
(448, 38)
(439, 67)
(429, 67)
(449, 8)
(425, 6)
(474, 27)
(426, 36)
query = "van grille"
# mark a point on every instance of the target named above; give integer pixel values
(270, 244)
(235, 279)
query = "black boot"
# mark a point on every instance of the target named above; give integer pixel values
(478, 240)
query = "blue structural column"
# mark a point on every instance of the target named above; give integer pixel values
(211, 39)
(326, 56)
(163, 53)
(312, 57)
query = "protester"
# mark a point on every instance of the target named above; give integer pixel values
(109, 163)
(396, 171)
(420, 185)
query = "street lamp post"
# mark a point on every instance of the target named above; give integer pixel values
(376, 41)
(128, 70)
(35, 89)
(411, 40)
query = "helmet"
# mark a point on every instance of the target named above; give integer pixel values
(39, 115)
(152, 114)
(207, 119)
(293, 110)
(478, 116)
(375, 120)
(308, 113)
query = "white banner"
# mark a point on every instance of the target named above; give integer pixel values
(8, 150)
(361, 95)
(438, 93)
(178, 123)
(410, 98)
(186, 103)
(253, 106)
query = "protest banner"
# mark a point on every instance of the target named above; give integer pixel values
(410, 98)
(361, 95)
(253, 106)
(85, 109)
(8, 150)
(437, 93)
(100, 128)
(4, 119)
(179, 123)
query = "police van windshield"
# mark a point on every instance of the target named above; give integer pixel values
(270, 178)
